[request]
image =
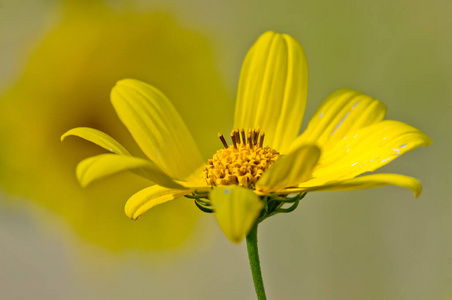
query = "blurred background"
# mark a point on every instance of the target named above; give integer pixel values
(59, 60)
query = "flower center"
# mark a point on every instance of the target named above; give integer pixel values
(242, 163)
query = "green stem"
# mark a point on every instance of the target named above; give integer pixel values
(253, 254)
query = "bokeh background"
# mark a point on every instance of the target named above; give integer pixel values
(58, 62)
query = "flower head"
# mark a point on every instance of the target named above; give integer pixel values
(267, 164)
(243, 162)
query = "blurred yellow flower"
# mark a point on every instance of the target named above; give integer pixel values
(267, 160)
(66, 83)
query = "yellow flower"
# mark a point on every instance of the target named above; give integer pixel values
(267, 161)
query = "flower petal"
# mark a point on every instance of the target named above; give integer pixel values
(272, 89)
(367, 182)
(342, 112)
(157, 127)
(97, 137)
(236, 210)
(290, 170)
(367, 149)
(149, 197)
(196, 181)
(103, 165)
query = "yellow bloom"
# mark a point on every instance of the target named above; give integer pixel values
(266, 161)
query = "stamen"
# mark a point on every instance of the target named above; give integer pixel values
(256, 136)
(233, 140)
(249, 139)
(253, 137)
(243, 136)
(223, 140)
(261, 142)
(237, 136)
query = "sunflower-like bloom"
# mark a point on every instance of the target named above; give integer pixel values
(267, 164)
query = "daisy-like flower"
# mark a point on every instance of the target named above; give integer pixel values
(266, 165)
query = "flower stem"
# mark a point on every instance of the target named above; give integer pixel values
(253, 255)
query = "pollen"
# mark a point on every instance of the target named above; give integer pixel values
(241, 163)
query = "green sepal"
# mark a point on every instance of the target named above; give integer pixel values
(272, 205)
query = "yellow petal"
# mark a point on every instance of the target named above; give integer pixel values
(272, 89)
(342, 112)
(290, 170)
(104, 165)
(196, 181)
(367, 150)
(236, 210)
(156, 127)
(97, 137)
(149, 197)
(369, 181)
